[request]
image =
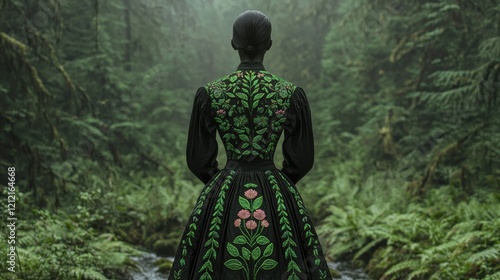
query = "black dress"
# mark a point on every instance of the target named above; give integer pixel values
(250, 222)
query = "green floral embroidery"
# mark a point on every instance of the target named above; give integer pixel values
(212, 243)
(235, 100)
(187, 241)
(312, 240)
(288, 243)
(192, 226)
(256, 248)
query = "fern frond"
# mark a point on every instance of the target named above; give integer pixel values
(495, 276)
(485, 255)
(367, 247)
(419, 273)
(87, 274)
(404, 265)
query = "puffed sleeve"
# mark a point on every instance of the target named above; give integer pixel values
(298, 145)
(201, 151)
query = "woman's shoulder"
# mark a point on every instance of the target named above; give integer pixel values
(231, 80)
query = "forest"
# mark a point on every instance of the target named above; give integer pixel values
(95, 100)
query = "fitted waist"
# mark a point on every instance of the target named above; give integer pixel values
(241, 165)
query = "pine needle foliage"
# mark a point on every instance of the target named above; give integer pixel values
(410, 139)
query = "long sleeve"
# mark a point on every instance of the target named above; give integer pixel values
(201, 151)
(298, 145)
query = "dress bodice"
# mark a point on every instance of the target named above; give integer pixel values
(250, 108)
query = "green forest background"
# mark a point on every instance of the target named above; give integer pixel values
(95, 99)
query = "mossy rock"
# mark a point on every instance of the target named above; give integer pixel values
(164, 265)
(165, 247)
(335, 273)
(151, 239)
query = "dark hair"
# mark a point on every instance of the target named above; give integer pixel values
(251, 32)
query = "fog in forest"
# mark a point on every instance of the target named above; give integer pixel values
(96, 98)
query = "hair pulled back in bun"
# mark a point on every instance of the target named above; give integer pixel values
(251, 32)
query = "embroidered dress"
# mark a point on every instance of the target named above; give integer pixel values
(249, 222)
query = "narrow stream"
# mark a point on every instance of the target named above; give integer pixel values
(148, 270)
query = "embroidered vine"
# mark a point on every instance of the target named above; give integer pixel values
(235, 100)
(192, 226)
(288, 243)
(212, 244)
(255, 247)
(312, 239)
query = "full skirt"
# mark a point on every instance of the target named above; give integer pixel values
(249, 225)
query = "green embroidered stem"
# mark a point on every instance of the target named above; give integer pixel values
(288, 242)
(312, 239)
(192, 226)
(211, 253)
(251, 238)
(235, 100)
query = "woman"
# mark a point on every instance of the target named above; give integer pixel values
(250, 222)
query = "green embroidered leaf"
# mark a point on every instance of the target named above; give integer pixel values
(240, 240)
(233, 78)
(269, 264)
(289, 253)
(261, 131)
(257, 138)
(292, 265)
(256, 253)
(258, 96)
(242, 96)
(246, 152)
(257, 203)
(233, 264)
(245, 145)
(244, 137)
(256, 146)
(254, 83)
(210, 252)
(206, 276)
(262, 240)
(229, 94)
(251, 185)
(255, 103)
(244, 203)
(207, 266)
(269, 250)
(246, 253)
(233, 251)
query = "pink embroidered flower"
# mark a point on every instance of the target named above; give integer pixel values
(221, 112)
(237, 222)
(251, 194)
(240, 74)
(244, 214)
(251, 225)
(259, 214)
(264, 223)
(260, 75)
(279, 112)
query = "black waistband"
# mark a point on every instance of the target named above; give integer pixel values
(250, 165)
